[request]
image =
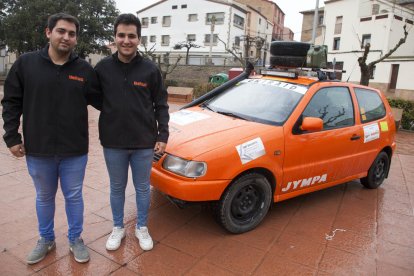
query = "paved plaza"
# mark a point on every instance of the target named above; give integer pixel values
(344, 230)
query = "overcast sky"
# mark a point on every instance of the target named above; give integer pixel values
(291, 8)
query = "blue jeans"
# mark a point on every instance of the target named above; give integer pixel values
(117, 163)
(46, 172)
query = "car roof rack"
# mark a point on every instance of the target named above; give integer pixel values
(293, 73)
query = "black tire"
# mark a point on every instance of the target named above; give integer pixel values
(377, 172)
(245, 203)
(288, 61)
(290, 48)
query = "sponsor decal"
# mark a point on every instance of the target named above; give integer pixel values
(76, 78)
(251, 150)
(293, 185)
(141, 84)
(290, 86)
(384, 126)
(173, 129)
(185, 117)
(371, 132)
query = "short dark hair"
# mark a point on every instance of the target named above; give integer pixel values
(128, 19)
(54, 18)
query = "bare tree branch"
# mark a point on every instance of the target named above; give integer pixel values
(237, 55)
(400, 42)
(367, 69)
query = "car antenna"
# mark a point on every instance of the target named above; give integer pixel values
(350, 74)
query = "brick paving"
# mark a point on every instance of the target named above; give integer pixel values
(344, 230)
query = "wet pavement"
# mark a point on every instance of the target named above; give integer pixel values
(344, 230)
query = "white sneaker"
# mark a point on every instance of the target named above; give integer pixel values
(145, 240)
(114, 240)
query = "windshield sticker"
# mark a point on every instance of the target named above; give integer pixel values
(185, 117)
(251, 150)
(371, 132)
(290, 86)
(384, 126)
(293, 185)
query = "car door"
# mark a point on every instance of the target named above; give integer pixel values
(316, 158)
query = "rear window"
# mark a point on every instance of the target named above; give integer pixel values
(370, 105)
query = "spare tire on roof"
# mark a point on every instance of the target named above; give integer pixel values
(288, 61)
(290, 48)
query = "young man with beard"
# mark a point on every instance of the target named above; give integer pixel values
(50, 89)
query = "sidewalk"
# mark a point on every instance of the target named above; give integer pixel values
(344, 230)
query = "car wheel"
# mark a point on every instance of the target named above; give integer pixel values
(288, 61)
(377, 172)
(245, 203)
(283, 48)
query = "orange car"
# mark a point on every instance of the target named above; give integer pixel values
(271, 137)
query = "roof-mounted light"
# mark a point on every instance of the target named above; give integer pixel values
(276, 73)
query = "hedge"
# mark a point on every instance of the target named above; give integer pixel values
(407, 120)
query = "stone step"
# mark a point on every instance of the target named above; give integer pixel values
(180, 94)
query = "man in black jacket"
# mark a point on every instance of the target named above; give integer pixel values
(133, 123)
(50, 88)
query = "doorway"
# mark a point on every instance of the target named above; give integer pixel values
(394, 76)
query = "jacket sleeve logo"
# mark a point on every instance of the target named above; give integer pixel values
(141, 84)
(76, 78)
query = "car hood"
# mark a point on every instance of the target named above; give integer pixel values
(195, 131)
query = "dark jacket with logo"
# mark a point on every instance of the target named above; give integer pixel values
(53, 101)
(135, 110)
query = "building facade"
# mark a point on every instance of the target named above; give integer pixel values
(212, 25)
(351, 24)
(272, 12)
(307, 26)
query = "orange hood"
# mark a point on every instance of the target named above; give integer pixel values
(195, 131)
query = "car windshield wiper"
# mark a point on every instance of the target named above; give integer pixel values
(231, 115)
(204, 105)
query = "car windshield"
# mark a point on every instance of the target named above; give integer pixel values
(258, 100)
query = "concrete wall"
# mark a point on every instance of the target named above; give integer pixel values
(192, 75)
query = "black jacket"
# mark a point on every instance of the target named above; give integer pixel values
(135, 110)
(53, 100)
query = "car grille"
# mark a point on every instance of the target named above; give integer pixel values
(157, 157)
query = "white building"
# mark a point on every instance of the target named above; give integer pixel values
(169, 22)
(350, 24)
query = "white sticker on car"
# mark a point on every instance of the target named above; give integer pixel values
(290, 86)
(371, 132)
(251, 150)
(185, 117)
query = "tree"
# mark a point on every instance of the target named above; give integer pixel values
(24, 23)
(165, 66)
(188, 45)
(366, 69)
(235, 53)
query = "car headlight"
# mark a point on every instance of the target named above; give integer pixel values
(184, 167)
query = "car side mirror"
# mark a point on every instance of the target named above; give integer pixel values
(312, 124)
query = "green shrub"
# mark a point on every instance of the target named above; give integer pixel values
(201, 89)
(170, 83)
(407, 119)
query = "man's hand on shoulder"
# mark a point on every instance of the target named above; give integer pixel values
(18, 150)
(160, 147)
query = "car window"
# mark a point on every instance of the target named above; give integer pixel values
(259, 100)
(370, 105)
(333, 105)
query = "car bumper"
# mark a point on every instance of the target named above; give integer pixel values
(187, 189)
